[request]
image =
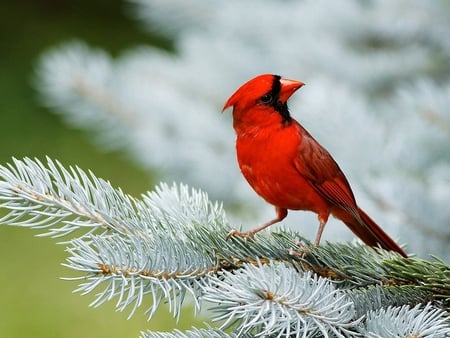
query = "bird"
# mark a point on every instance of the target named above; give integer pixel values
(288, 168)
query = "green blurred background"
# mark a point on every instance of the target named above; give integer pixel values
(34, 302)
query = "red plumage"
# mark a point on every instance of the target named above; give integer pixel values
(287, 167)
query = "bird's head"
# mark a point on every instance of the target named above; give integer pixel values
(262, 100)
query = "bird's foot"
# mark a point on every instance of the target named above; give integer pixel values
(234, 232)
(300, 244)
(302, 251)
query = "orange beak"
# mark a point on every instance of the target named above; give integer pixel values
(289, 87)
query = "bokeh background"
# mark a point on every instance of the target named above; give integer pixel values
(133, 89)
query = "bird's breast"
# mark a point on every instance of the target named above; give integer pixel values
(266, 160)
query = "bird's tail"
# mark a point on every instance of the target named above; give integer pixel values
(370, 232)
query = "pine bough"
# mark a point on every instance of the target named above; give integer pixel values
(170, 243)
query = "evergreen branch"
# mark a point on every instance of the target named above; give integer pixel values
(130, 268)
(194, 333)
(60, 201)
(433, 277)
(356, 264)
(375, 297)
(237, 251)
(92, 101)
(426, 322)
(172, 243)
(180, 210)
(277, 300)
(359, 265)
(144, 250)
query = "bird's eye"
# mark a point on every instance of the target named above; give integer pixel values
(266, 98)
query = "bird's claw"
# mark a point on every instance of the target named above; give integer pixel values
(303, 250)
(235, 232)
(300, 244)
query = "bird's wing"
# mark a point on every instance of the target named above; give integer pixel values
(317, 166)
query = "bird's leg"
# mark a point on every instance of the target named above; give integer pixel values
(281, 214)
(304, 250)
(322, 221)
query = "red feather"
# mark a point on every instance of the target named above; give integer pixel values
(287, 167)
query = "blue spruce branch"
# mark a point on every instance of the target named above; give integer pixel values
(170, 245)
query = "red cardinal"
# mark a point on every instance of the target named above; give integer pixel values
(287, 167)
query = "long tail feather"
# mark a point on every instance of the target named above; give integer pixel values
(370, 232)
